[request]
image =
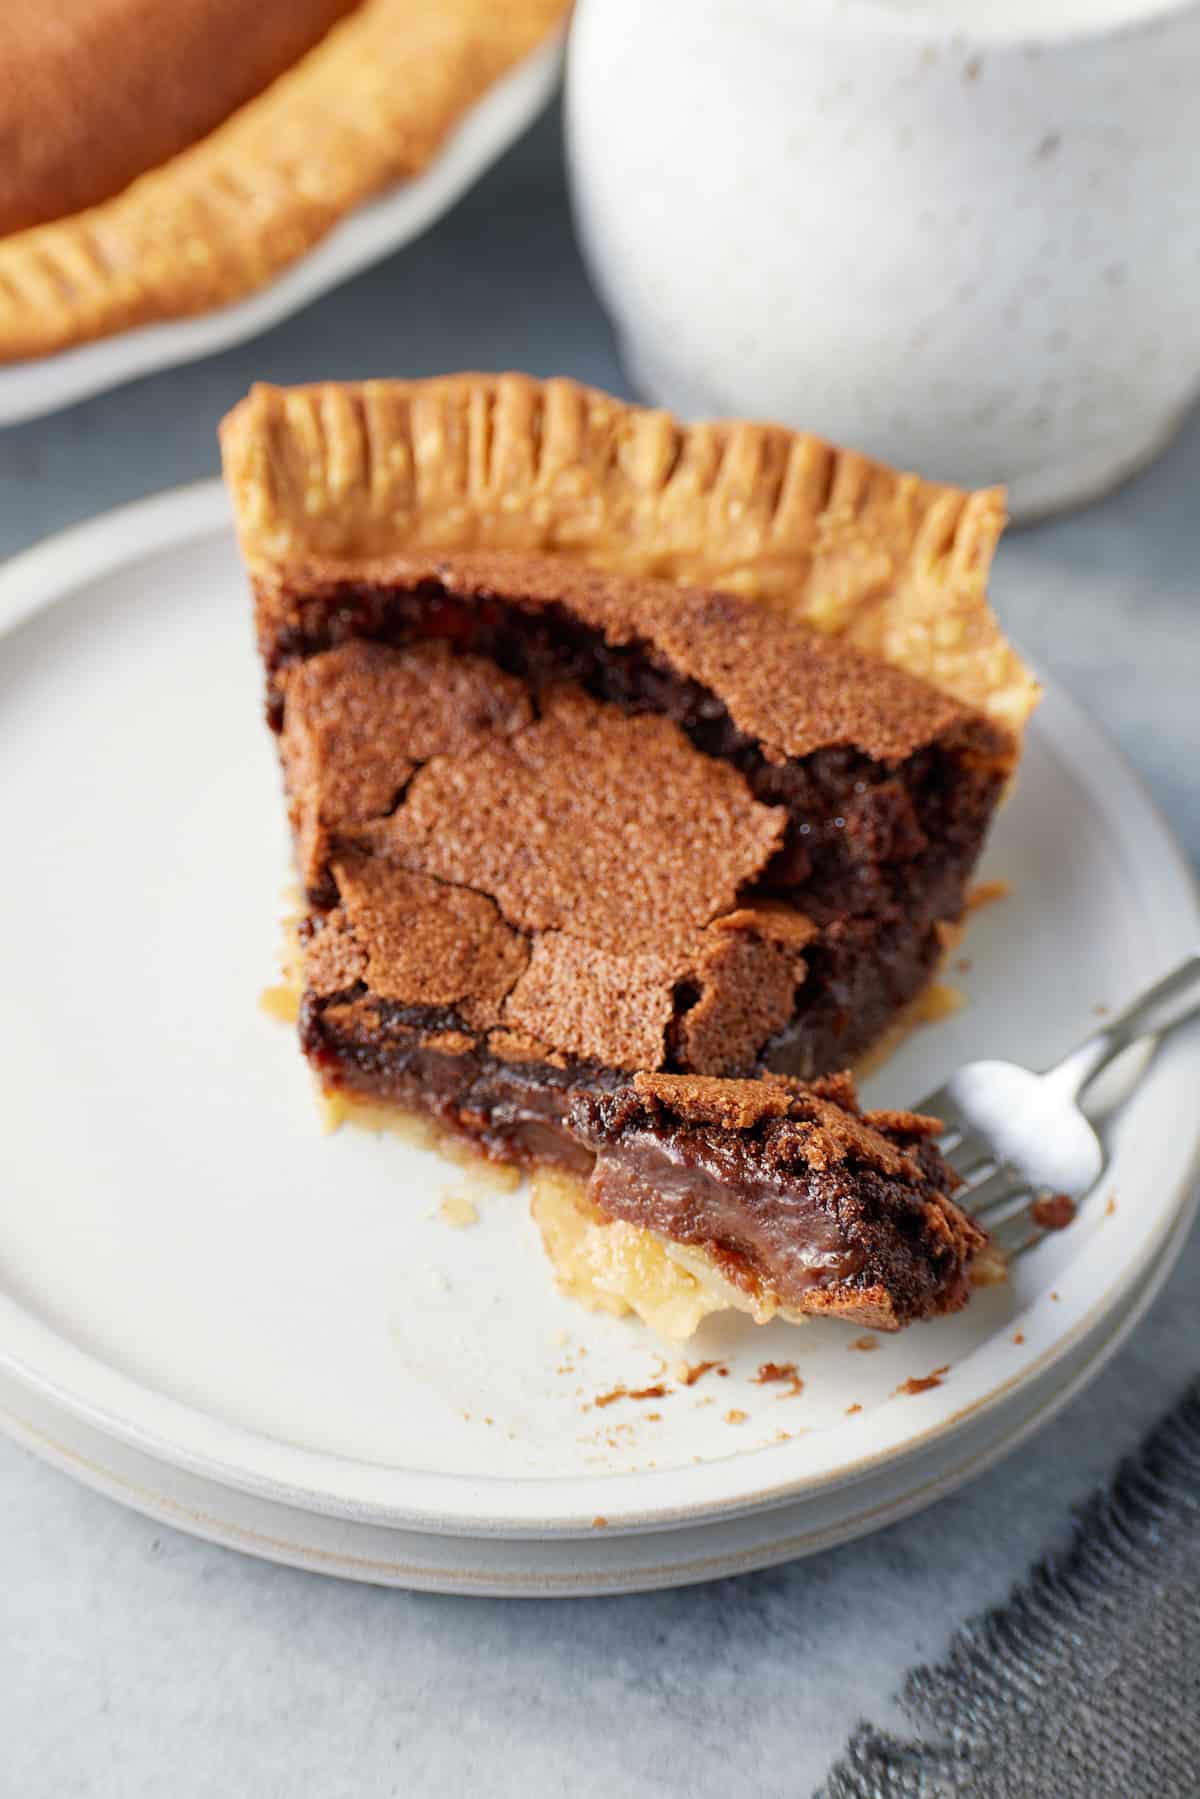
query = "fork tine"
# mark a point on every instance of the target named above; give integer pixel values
(1005, 1184)
(1016, 1235)
(1001, 1211)
(970, 1153)
(942, 1105)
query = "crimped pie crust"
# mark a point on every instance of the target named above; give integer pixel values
(370, 105)
(347, 473)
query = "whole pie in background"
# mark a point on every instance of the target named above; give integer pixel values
(158, 160)
(170, 75)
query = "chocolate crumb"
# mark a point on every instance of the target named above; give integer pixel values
(687, 1374)
(1018, 1336)
(657, 1391)
(1054, 1212)
(923, 1383)
(780, 1371)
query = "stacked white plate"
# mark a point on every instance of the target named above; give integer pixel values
(274, 1338)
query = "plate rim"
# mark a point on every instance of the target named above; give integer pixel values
(165, 1507)
(186, 1436)
(36, 387)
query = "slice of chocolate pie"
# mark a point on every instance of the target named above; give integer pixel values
(560, 826)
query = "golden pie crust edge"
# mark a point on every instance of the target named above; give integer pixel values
(369, 105)
(344, 473)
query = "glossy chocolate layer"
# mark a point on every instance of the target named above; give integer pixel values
(789, 1191)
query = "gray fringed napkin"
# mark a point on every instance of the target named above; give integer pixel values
(1086, 1684)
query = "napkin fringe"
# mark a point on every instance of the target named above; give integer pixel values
(995, 1718)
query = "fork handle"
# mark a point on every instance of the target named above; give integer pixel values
(1155, 1012)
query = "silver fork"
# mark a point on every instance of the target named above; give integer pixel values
(1020, 1140)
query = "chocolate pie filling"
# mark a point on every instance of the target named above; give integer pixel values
(786, 1188)
(556, 827)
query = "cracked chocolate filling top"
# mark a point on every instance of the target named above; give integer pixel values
(559, 820)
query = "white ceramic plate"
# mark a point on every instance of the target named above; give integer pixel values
(29, 389)
(562, 1566)
(194, 1276)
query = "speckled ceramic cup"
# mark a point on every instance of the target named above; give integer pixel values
(964, 237)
